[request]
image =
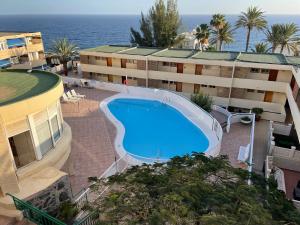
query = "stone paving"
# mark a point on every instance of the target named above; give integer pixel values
(239, 135)
(92, 138)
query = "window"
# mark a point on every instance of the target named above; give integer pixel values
(173, 64)
(254, 70)
(55, 128)
(261, 92)
(133, 61)
(250, 90)
(166, 64)
(44, 137)
(203, 85)
(165, 82)
(212, 86)
(265, 71)
(100, 58)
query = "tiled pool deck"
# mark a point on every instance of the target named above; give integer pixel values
(93, 137)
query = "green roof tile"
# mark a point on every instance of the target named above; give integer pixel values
(175, 53)
(143, 51)
(263, 58)
(17, 85)
(294, 60)
(108, 48)
(229, 56)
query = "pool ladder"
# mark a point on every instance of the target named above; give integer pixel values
(166, 100)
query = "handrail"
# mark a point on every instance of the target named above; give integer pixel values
(34, 214)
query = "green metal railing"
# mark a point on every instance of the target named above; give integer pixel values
(41, 217)
(34, 214)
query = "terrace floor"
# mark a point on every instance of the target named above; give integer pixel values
(291, 179)
(92, 138)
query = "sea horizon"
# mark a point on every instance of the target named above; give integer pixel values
(91, 30)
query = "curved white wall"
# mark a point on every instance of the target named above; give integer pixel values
(210, 126)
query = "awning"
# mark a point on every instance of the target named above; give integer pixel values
(17, 42)
(4, 63)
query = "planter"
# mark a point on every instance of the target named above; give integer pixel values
(246, 120)
(257, 112)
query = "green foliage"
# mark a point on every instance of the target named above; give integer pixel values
(260, 48)
(283, 36)
(222, 35)
(257, 111)
(203, 101)
(251, 19)
(202, 34)
(67, 211)
(160, 27)
(192, 190)
(289, 35)
(217, 23)
(64, 50)
(273, 36)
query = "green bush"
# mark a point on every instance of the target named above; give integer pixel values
(257, 111)
(203, 101)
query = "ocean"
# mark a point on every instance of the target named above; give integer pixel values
(88, 31)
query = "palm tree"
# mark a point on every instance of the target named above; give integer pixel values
(253, 18)
(289, 35)
(217, 22)
(202, 35)
(260, 48)
(64, 50)
(224, 35)
(273, 36)
(295, 47)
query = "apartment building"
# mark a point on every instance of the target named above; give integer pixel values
(234, 79)
(35, 142)
(21, 50)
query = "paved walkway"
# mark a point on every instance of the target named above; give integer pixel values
(239, 135)
(260, 145)
(92, 138)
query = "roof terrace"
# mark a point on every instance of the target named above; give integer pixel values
(17, 85)
(266, 58)
(143, 51)
(109, 48)
(175, 53)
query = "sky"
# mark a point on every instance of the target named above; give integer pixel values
(136, 6)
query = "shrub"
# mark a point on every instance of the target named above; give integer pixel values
(257, 111)
(203, 101)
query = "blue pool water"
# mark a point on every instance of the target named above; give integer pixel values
(156, 130)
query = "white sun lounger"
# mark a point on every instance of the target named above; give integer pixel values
(70, 96)
(66, 99)
(244, 153)
(73, 92)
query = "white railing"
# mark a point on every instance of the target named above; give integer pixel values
(194, 113)
(283, 129)
(268, 166)
(276, 151)
(279, 177)
(221, 110)
(117, 167)
(235, 118)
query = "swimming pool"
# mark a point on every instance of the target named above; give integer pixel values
(156, 130)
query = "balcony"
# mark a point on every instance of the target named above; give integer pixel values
(17, 42)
